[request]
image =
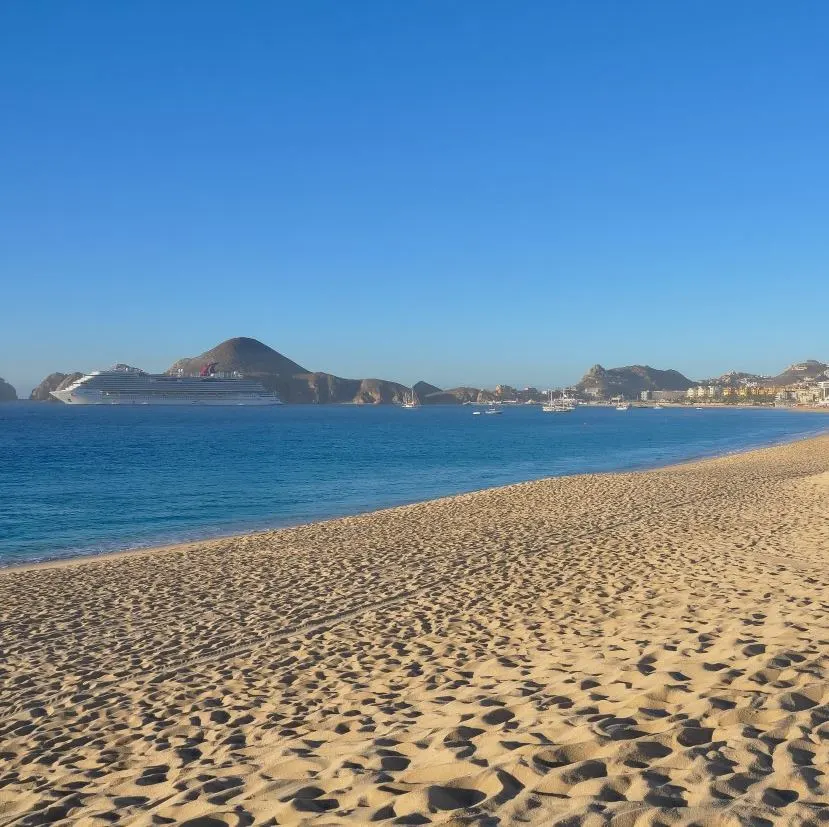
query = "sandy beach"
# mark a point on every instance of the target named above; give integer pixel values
(647, 648)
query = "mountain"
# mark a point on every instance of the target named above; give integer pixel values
(248, 356)
(798, 372)
(467, 394)
(428, 394)
(53, 382)
(630, 381)
(810, 369)
(7, 392)
(294, 383)
(423, 389)
(734, 378)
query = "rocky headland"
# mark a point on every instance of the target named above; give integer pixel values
(7, 392)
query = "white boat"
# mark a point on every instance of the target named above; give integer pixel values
(476, 413)
(411, 400)
(625, 406)
(492, 410)
(562, 405)
(126, 385)
(657, 407)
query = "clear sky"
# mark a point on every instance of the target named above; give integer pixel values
(461, 192)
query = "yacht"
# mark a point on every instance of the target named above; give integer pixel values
(623, 406)
(410, 401)
(126, 385)
(562, 405)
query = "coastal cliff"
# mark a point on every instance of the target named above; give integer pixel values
(7, 392)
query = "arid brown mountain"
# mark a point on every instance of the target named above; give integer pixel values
(293, 383)
(53, 382)
(630, 381)
(7, 392)
(733, 379)
(798, 372)
(467, 394)
(810, 369)
(423, 389)
(248, 356)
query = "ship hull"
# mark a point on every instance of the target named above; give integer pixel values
(95, 397)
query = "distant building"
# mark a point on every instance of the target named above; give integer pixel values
(646, 395)
(807, 396)
(669, 396)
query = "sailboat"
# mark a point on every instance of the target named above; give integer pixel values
(563, 405)
(410, 401)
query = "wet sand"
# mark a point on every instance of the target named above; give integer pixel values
(622, 649)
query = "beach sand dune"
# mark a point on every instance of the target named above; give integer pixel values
(625, 649)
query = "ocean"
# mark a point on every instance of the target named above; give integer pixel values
(87, 480)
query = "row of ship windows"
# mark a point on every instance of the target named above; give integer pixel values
(178, 395)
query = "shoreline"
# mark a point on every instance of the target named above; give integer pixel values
(615, 648)
(267, 532)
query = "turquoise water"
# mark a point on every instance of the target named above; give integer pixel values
(94, 479)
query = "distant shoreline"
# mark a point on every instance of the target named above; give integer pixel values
(570, 633)
(509, 403)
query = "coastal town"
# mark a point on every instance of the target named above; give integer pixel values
(803, 384)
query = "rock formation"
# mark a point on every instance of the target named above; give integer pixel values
(7, 392)
(630, 381)
(248, 356)
(293, 383)
(800, 371)
(464, 394)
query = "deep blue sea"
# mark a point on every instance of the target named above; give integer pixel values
(93, 479)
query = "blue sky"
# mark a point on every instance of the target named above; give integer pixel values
(463, 192)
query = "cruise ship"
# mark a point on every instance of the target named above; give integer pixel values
(125, 385)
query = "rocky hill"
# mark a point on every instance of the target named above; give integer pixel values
(294, 383)
(810, 369)
(733, 379)
(464, 394)
(798, 372)
(630, 381)
(53, 382)
(248, 356)
(7, 392)
(423, 389)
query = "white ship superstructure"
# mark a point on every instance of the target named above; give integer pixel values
(125, 385)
